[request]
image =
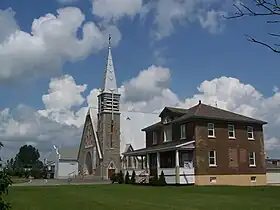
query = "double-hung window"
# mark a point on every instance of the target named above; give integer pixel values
(250, 132)
(231, 132)
(154, 137)
(252, 159)
(183, 131)
(211, 130)
(212, 158)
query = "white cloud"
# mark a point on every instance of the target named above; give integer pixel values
(115, 9)
(61, 122)
(52, 41)
(8, 23)
(63, 93)
(166, 14)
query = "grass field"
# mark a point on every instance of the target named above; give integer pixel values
(128, 197)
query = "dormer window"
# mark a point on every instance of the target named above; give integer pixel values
(166, 120)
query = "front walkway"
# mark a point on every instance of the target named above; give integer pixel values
(56, 182)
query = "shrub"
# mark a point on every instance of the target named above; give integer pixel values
(154, 177)
(133, 177)
(161, 180)
(126, 179)
(5, 182)
(114, 178)
(36, 173)
(121, 178)
(117, 177)
(153, 181)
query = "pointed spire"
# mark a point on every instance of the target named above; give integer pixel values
(110, 83)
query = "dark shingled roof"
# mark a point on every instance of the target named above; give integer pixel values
(203, 111)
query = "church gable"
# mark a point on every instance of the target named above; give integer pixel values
(89, 137)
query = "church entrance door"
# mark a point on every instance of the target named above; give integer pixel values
(111, 171)
(89, 163)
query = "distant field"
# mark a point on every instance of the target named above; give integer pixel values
(128, 197)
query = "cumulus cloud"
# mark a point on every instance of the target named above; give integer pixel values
(61, 123)
(166, 14)
(52, 41)
(115, 9)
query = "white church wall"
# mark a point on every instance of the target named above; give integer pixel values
(67, 167)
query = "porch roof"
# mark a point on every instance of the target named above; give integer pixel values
(189, 145)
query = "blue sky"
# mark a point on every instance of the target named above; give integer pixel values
(190, 52)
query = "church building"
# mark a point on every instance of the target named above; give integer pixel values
(108, 132)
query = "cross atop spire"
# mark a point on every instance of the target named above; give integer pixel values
(110, 83)
(110, 40)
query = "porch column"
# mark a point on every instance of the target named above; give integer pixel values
(142, 163)
(148, 163)
(177, 167)
(158, 163)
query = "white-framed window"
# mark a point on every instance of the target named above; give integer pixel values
(167, 134)
(250, 132)
(211, 130)
(252, 159)
(183, 131)
(231, 132)
(155, 137)
(212, 158)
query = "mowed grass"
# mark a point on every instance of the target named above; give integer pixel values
(129, 197)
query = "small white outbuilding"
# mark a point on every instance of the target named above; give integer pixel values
(63, 162)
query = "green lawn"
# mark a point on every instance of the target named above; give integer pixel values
(128, 197)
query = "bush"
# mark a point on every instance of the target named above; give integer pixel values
(126, 179)
(161, 180)
(121, 177)
(114, 178)
(133, 177)
(36, 173)
(5, 182)
(154, 178)
(153, 181)
(117, 177)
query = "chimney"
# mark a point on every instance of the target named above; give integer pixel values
(199, 102)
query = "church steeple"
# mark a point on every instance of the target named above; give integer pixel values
(109, 98)
(110, 83)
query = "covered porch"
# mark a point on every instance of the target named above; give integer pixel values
(175, 159)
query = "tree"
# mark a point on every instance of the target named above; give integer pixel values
(121, 177)
(161, 180)
(126, 179)
(27, 157)
(5, 182)
(266, 8)
(133, 177)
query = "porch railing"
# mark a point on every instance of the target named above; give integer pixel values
(142, 176)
